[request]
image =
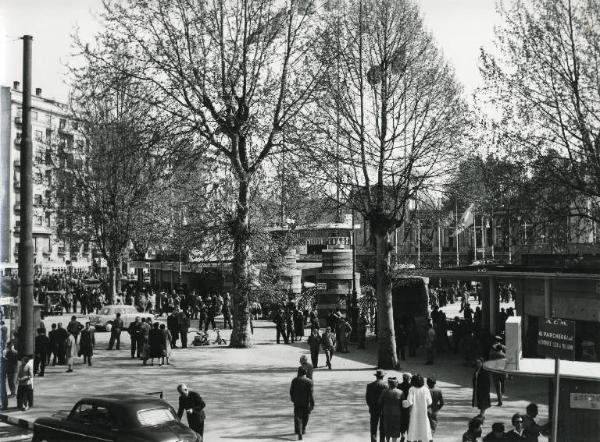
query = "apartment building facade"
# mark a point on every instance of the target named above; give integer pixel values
(51, 127)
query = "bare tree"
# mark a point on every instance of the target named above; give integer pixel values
(231, 73)
(389, 121)
(108, 159)
(545, 80)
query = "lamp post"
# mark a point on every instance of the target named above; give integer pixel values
(181, 224)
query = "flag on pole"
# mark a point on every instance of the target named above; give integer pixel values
(466, 220)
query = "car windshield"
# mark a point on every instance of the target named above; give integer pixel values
(155, 416)
(105, 311)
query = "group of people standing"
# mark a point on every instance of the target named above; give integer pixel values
(408, 409)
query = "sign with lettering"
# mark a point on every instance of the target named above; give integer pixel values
(586, 401)
(321, 286)
(556, 339)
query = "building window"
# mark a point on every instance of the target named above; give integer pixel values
(39, 135)
(34, 115)
(48, 119)
(37, 220)
(62, 124)
(37, 199)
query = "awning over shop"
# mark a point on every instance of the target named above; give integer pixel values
(589, 371)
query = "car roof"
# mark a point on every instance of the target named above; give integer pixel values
(129, 401)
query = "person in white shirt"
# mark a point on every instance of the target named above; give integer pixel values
(25, 380)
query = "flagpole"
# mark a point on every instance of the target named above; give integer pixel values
(474, 238)
(439, 243)
(456, 233)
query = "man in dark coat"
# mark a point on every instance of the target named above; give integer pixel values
(53, 344)
(314, 343)
(374, 391)
(437, 402)
(481, 388)
(135, 333)
(173, 327)
(301, 394)
(61, 339)
(183, 325)
(42, 350)
(193, 405)
(115, 332)
(531, 429)
(279, 321)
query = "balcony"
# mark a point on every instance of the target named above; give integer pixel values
(17, 164)
(17, 185)
(18, 143)
(18, 120)
(17, 230)
(18, 207)
(64, 129)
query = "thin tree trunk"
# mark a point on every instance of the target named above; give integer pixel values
(386, 351)
(112, 288)
(241, 336)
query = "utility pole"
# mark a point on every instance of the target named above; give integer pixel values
(26, 335)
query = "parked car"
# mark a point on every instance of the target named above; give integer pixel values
(103, 321)
(115, 418)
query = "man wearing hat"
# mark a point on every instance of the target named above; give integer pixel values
(374, 391)
(497, 434)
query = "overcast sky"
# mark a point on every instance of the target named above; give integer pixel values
(461, 27)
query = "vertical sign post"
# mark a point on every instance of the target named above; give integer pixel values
(556, 339)
(26, 237)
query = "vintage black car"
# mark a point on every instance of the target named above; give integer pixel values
(115, 418)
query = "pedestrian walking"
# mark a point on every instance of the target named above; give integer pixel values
(173, 326)
(481, 388)
(115, 333)
(308, 367)
(298, 320)
(314, 343)
(430, 338)
(3, 382)
(41, 352)
(390, 404)
(134, 335)
(418, 401)
(87, 343)
(401, 340)
(374, 391)
(328, 342)
(498, 379)
(361, 330)
(192, 404)
(25, 380)
(301, 394)
(74, 327)
(183, 326)
(166, 347)
(345, 329)
(155, 343)
(279, 321)
(437, 402)
(11, 360)
(54, 345)
(405, 387)
(71, 352)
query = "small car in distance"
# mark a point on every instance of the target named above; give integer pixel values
(115, 418)
(109, 312)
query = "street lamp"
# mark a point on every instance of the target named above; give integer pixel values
(182, 222)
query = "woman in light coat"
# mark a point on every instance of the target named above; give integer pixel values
(71, 351)
(419, 399)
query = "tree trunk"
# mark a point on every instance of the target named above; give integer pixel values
(114, 276)
(241, 336)
(386, 342)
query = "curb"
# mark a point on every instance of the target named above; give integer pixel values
(17, 421)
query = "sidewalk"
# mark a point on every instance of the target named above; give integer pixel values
(247, 390)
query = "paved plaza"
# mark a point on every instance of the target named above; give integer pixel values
(247, 390)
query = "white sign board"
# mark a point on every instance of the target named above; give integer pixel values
(586, 401)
